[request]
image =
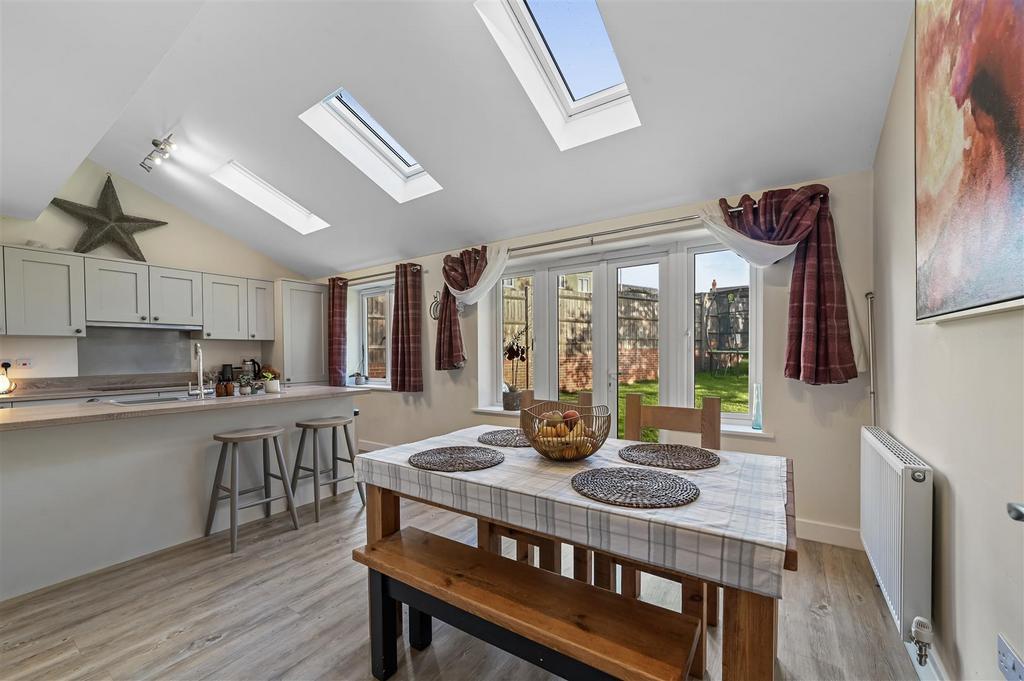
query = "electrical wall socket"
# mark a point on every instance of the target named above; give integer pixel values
(23, 363)
(1010, 663)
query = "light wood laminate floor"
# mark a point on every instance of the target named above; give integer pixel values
(292, 605)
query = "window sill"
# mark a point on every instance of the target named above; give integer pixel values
(728, 429)
(372, 386)
(742, 430)
(494, 410)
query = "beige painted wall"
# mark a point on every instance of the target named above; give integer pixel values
(183, 242)
(817, 426)
(953, 393)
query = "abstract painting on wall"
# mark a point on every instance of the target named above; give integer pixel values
(969, 138)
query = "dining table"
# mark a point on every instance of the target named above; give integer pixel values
(738, 534)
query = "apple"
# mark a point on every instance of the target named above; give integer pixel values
(571, 418)
(553, 418)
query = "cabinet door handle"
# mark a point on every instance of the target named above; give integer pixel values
(155, 319)
(78, 331)
(252, 335)
(209, 333)
(143, 317)
(1016, 510)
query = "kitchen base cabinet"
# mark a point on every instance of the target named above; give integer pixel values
(80, 497)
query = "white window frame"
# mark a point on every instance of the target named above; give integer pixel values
(540, 364)
(754, 333)
(676, 366)
(354, 140)
(364, 350)
(545, 61)
(370, 137)
(570, 123)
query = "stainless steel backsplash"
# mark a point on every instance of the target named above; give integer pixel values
(112, 350)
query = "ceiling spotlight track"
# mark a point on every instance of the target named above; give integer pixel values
(161, 150)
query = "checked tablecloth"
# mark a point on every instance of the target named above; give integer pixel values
(733, 534)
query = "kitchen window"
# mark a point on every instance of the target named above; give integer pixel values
(375, 334)
(674, 325)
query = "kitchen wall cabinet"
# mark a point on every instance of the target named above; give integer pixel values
(55, 293)
(44, 293)
(261, 309)
(116, 291)
(300, 343)
(225, 307)
(175, 296)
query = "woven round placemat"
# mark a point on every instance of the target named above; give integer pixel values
(452, 459)
(635, 487)
(680, 457)
(506, 437)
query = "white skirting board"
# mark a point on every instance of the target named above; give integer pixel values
(827, 533)
(933, 670)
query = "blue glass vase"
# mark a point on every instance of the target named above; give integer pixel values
(755, 422)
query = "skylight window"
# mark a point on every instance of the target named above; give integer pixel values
(563, 57)
(574, 34)
(348, 127)
(262, 194)
(344, 104)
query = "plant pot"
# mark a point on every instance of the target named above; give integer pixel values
(272, 386)
(511, 400)
(359, 380)
(245, 390)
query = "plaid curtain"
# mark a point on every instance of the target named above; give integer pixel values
(406, 330)
(337, 306)
(818, 348)
(459, 272)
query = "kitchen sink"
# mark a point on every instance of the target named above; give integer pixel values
(147, 400)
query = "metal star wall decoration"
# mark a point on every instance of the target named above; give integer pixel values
(107, 223)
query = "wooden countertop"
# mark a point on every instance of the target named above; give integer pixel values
(20, 418)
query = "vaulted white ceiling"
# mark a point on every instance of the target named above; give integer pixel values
(732, 96)
(67, 70)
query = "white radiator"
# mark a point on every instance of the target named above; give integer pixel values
(896, 524)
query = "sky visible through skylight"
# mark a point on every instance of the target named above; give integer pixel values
(577, 39)
(355, 107)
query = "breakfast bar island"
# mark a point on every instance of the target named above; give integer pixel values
(87, 486)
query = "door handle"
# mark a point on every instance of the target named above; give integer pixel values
(1016, 510)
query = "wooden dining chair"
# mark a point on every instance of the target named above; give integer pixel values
(699, 598)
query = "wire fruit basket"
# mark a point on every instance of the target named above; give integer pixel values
(562, 431)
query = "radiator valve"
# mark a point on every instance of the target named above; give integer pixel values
(921, 633)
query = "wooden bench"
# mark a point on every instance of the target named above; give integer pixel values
(569, 628)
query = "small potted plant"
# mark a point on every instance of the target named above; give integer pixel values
(515, 352)
(271, 379)
(245, 384)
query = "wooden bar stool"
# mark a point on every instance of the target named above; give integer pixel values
(314, 471)
(235, 438)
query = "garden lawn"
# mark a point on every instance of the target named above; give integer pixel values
(732, 388)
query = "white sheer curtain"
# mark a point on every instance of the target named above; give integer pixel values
(761, 255)
(492, 273)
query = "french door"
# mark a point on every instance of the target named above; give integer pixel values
(606, 318)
